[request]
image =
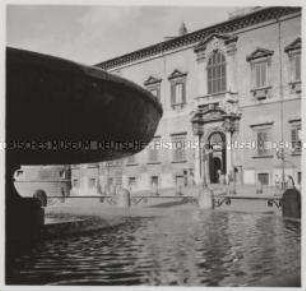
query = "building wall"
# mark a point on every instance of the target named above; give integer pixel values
(54, 180)
(177, 176)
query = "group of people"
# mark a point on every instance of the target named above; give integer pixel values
(226, 179)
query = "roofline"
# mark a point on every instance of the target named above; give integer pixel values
(227, 26)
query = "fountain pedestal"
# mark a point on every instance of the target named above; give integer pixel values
(291, 203)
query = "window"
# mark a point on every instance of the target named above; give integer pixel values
(152, 84)
(19, 173)
(153, 150)
(294, 53)
(263, 178)
(178, 89)
(299, 178)
(154, 181)
(131, 160)
(178, 94)
(110, 181)
(216, 141)
(296, 68)
(75, 183)
(216, 73)
(260, 62)
(62, 174)
(92, 183)
(296, 139)
(260, 71)
(179, 147)
(132, 181)
(262, 142)
(263, 139)
(155, 92)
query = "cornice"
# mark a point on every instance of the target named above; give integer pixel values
(226, 27)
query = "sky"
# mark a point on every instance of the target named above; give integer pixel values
(91, 34)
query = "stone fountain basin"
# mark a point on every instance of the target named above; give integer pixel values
(58, 112)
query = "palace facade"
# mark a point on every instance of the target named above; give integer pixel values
(234, 88)
(231, 95)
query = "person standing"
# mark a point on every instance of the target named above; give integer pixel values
(277, 183)
(219, 175)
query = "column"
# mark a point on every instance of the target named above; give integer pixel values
(197, 161)
(229, 165)
(206, 167)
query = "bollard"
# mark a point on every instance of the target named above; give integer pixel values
(206, 198)
(291, 203)
(124, 198)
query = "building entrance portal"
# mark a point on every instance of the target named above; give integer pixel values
(217, 156)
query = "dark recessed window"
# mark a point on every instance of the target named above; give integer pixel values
(263, 178)
(75, 183)
(132, 181)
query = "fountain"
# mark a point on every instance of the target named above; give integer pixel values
(61, 112)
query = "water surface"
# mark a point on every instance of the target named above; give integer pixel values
(184, 247)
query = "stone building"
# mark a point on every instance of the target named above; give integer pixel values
(53, 180)
(235, 87)
(231, 95)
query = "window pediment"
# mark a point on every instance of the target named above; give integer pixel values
(226, 38)
(295, 45)
(259, 53)
(177, 74)
(151, 81)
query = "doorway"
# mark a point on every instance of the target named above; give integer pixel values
(215, 168)
(217, 156)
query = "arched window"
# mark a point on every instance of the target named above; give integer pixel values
(216, 73)
(216, 141)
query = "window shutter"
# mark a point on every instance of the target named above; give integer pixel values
(173, 87)
(257, 72)
(263, 74)
(184, 93)
(209, 78)
(294, 135)
(179, 93)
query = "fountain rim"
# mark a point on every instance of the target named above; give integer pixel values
(51, 61)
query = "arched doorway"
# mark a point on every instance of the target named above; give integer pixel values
(217, 156)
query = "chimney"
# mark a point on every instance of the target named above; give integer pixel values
(183, 29)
